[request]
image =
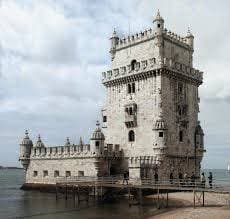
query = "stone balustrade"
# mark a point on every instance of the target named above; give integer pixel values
(71, 151)
(176, 38)
(151, 64)
(136, 38)
(149, 34)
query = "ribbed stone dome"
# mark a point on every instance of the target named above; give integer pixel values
(158, 17)
(189, 34)
(160, 124)
(97, 134)
(26, 140)
(39, 143)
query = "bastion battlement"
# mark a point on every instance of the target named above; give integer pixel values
(72, 151)
(149, 65)
(148, 34)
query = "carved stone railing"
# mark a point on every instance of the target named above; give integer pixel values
(149, 34)
(72, 151)
(151, 64)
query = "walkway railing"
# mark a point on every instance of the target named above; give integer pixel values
(187, 184)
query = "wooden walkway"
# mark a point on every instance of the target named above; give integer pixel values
(82, 188)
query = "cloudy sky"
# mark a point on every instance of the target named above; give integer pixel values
(52, 53)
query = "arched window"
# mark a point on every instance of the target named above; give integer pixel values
(133, 63)
(129, 89)
(131, 136)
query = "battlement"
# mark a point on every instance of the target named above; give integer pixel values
(149, 34)
(73, 151)
(145, 66)
(182, 41)
(134, 39)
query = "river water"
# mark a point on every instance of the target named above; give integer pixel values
(15, 203)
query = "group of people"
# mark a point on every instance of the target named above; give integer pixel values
(182, 179)
(186, 180)
(203, 179)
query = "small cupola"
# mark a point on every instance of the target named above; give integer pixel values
(25, 150)
(160, 124)
(97, 134)
(26, 140)
(190, 39)
(97, 141)
(39, 143)
(158, 23)
(114, 41)
(199, 136)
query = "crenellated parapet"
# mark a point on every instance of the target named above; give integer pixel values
(72, 151)
(134, 39)
(143, 68)
(149, 34)
(182, 41)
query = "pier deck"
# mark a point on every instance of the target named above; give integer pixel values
(96, 186)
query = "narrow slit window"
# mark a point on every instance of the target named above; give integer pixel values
(161, 134)
(181, 136)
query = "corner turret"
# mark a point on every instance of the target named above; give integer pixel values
(190, 39)
(114, 41)
(158, 24)
(39, 143)
(97, 141)
(199, 136)
(25, 150)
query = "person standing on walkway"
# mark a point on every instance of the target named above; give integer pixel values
(126, 177)
(193, 178)
(210, 180)
(180, 176)
(185, 178)
(171, 178)
(203, 180)
(156, 177)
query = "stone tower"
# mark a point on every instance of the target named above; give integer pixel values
(152, 103)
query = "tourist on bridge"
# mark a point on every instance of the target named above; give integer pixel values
(203, 180)
(126, 177)
(185, 178)
(180, 176)
(193, 178)
(171, 178)
(210, 179)
(156, 177)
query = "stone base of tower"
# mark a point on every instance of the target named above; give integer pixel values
(140, 168)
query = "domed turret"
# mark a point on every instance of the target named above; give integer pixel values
(97, 140)
(199, 135)
(190, 38)
(39, 143)
(160, 129)
(114, 40)
(158, 23)
(25, 150)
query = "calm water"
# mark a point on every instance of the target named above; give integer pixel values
(15, 203)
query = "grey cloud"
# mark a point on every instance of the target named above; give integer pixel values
(54, 51)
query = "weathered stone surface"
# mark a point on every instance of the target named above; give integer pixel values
(149, 119)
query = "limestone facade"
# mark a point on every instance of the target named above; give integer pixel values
(149, 121)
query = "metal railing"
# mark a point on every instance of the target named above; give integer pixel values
(218, 184)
